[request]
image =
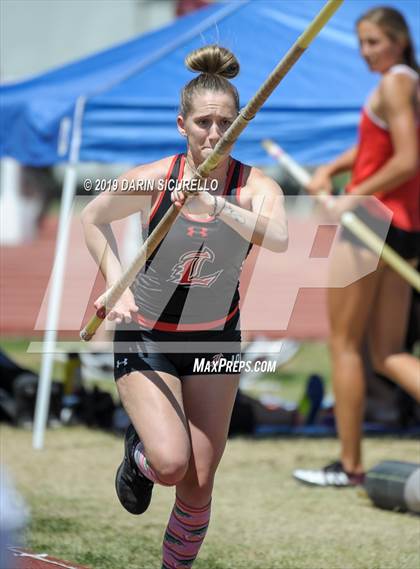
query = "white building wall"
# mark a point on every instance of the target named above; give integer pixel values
(38, 35)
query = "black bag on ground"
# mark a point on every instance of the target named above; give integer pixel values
(18, 387)
(243, 420)
(96, 408)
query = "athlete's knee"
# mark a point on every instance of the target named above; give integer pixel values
(170, 469)
(171, 473)
(342, 345)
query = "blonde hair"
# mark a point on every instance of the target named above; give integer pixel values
(215, 64)
(394, 25)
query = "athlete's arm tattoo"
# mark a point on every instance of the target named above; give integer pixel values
(234, 214)
(255, 227)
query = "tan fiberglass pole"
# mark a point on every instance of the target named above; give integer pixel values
(220, 150)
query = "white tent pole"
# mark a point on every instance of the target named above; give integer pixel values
(11, 231)
(54, 300)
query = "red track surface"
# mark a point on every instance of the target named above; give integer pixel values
(28, 560)
(25, 272)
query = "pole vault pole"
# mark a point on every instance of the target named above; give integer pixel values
(350, 221)
(212, 161)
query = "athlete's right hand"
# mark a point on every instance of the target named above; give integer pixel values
(321, 182)
(124, 309)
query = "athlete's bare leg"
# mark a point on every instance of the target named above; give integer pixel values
(208, 404)
(388, 330)
(154, 403)
(349, 310)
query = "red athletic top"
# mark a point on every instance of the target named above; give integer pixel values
(374, 150)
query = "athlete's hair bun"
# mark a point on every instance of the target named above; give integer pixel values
(214, 60)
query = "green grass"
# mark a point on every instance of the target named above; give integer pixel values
(261, 518)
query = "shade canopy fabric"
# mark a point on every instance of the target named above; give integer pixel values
(132, 90)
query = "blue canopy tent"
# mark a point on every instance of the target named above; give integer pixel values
(120, 105)
(129, 93)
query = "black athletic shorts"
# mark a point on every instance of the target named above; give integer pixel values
(405, 243)
(178, 353)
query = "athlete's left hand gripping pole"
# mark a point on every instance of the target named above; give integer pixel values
(213, 160)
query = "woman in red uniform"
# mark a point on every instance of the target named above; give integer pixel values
(384, 164)
(184, 307)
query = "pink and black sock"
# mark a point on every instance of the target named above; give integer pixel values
(184, 535)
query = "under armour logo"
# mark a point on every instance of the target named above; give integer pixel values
(202, 231)
(123, 362)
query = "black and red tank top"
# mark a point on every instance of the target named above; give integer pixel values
(191, 281)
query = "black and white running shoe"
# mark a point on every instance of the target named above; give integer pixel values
(134, 490)
(332, 475)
